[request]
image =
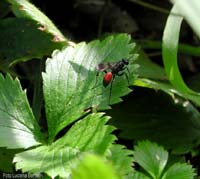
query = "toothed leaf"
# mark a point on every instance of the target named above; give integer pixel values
(18, 127)
(151, 157)
(179, 171)
(94, 167)
(122, 159)
(88, 135)
(71, 84)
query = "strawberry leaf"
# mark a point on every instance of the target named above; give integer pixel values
(151, 157)
(179, 171)
(94, 167)
(18, 127)
(88, 135)
(71, 83)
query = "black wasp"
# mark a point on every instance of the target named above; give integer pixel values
(112, 70)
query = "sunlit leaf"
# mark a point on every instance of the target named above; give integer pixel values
(190, 11)
(86, 136)
(179, 171)
(151, 157)
(94, 167)
(169, 53)
(71, 83)
(122, 159)
(18, 127)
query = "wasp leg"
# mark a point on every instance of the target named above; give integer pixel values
(126, 75)
(127, 78)
(111, 89)
(127, 70)
(120, 74)
(96, 80)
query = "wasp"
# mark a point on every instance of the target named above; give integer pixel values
(112, 70)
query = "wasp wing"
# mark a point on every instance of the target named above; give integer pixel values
(102, 67)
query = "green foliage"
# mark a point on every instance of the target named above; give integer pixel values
(94, 167)
(79, 145)
(139, 175)
(24, 9)
(18, 127)
(122, 159)
(88, 135)
(190, 12)
(173, 123)
(68, 94)
(179, 171)
(182, 47)
(170, 49)
(34, 43)
(153, 159)
(66, 98)
(148, 69)
(167, 130)
(36, 35)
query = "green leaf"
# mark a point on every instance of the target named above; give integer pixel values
(138, 175)
(122, 159)
(173, 159)
(157, 85)
(182, 48)
(53, 160)
(192, 113)
(94, 167)
(179, 171)
(87, 135)
(148, 74)
(24, 9)
(149, 78)
(149, 69)
(169, 52)
(151, 157)
(71, 84)
(18, 127)
(170, 49)
(91, 134)
(34, 43)
(156, 116)
(190, 11)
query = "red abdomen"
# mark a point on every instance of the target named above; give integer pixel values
(107, 79)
